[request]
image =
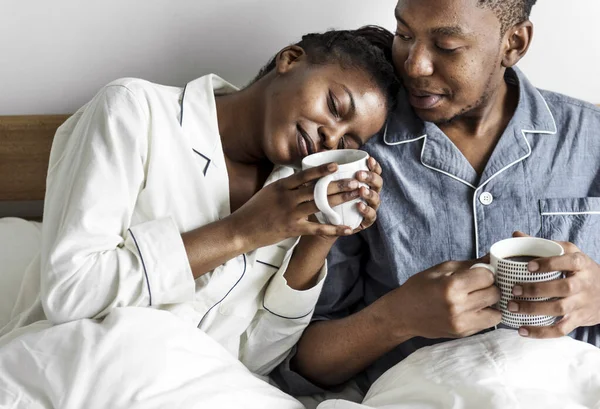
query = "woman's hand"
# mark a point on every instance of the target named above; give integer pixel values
(281, 210)
(371, 196)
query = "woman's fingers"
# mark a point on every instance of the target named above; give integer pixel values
(371, 179)
(306, 176)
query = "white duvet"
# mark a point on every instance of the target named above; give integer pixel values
(135, 358)
(145, 358)
(496, 370)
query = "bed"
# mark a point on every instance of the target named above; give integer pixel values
(144, 358)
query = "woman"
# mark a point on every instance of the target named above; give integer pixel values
(186, 199)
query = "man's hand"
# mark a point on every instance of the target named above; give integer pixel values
(578, 293)
(450, 300)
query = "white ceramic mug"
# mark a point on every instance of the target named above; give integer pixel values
(349, 162)
(509, 260)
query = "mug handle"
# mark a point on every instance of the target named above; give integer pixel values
(320, 194)
(484, 265)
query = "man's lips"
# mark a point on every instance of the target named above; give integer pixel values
(423, 99)
(305, 143)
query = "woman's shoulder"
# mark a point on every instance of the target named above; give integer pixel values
(135, 94)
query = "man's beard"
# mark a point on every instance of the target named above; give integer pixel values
(483, 100)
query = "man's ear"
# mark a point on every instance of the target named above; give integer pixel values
(288, 57)
(516, 41)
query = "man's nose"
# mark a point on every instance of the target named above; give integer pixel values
(418, 64)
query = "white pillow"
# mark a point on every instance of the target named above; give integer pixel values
(19, 244)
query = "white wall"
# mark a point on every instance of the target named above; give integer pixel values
(54, 55)
(565, 54)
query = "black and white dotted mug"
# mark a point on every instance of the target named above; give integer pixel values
(509, 260)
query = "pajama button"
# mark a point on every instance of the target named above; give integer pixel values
(486, 198)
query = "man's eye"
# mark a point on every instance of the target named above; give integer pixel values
(403, 37)
(446, 50)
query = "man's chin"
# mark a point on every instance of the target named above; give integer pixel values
(434, 116)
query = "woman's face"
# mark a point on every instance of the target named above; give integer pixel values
(311, 108)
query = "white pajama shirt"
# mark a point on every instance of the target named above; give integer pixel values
(129, 172)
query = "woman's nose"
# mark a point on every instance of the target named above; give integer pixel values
(329, 137)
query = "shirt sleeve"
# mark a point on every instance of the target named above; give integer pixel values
(278, 325)
(93, 257)
(341, 295)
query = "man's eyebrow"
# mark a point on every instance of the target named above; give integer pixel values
(399, 18)
(450, 31)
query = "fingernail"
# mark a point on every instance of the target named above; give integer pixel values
(331, 167)
(533, 266)
(362, 206)
(523, 332)
(513, 306)
(362, 175)
(517, 290)
(353, 184)
(348, 231)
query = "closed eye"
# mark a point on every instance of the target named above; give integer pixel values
(332, 105)
(447, 50)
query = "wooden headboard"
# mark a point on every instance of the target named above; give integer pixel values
(25, 143)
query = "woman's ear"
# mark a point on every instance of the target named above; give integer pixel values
(517, 40)
(288, 57)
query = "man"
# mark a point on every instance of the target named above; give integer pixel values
(473, 153)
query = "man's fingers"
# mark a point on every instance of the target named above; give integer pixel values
(483, 319)
(480, 299)
(554, 308)
(559, 329)
(562, 287)
(568, 262)
(472, 279)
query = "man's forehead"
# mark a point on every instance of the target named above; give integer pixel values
(445, 17)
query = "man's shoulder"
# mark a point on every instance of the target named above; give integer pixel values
(564, 106)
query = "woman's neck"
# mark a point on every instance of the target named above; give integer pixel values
(240, 117)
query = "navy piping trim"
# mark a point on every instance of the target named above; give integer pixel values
(143, 265)
(267, 264)
(207, 163)
(182, 98)
(231, 289)
(287, 318)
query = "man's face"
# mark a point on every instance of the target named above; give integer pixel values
(448, 54)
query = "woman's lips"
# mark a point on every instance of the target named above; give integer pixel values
(305, 144)
(302, 148)
(424, 101)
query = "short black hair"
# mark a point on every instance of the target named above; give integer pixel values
(368, 48)
(509, 12)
